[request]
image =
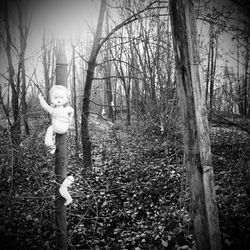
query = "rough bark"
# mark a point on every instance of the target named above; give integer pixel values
(197, 148)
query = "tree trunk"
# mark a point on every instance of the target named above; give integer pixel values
(211, 83)
(197, 149)
(208, 66)
(246, 112)
(115, 100)
(212, 75)
(15, 129)
(109, 96)
(108, 90)
(75, 99)
(126, 87)
(24, 103)
(45, 66)
(86, 144)
(23, 27)
(240, 103)
(134, 72)
(61, 158)
(127, 94)
(109, 99)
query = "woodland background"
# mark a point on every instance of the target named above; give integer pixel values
(131, 189)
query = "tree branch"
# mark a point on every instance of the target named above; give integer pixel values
(125, 22)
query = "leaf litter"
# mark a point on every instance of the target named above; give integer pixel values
(135, 197)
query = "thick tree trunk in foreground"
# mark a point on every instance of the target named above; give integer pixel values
(61, 159)
(196, 135)
(86, 144)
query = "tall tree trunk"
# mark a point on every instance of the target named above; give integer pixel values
(109, 98)
(24, 25)
(213, 71)
(61, 163)
(115, 100)
(126, 86)
(15, 129)
(108, 86)
(75, 99)
(108, 90)
(134, 80)
(208, 64)
(245, 86)
(24, 103)
(240, 103)
(127, 95)
(135, 86)
(197, 148)
(144, 87)
(86, 144)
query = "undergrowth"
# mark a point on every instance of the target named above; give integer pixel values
(135, 196)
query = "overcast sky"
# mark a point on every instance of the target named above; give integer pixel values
(67, 19)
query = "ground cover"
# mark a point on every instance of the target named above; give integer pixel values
(135, 197)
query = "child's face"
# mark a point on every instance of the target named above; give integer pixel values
(59, 97)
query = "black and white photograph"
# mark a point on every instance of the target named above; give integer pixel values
(124, 125)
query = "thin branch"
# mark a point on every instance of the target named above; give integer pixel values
(126, 22)
(85, 60)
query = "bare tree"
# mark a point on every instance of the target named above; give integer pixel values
(246, 86)
(107, 69)
(24, 26)
(124, 75)
(97, 45)
(75, 98)
(15, 127)
(211, 68)
(86, 144)
(197, 150)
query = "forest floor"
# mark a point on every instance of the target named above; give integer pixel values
(135, 196)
